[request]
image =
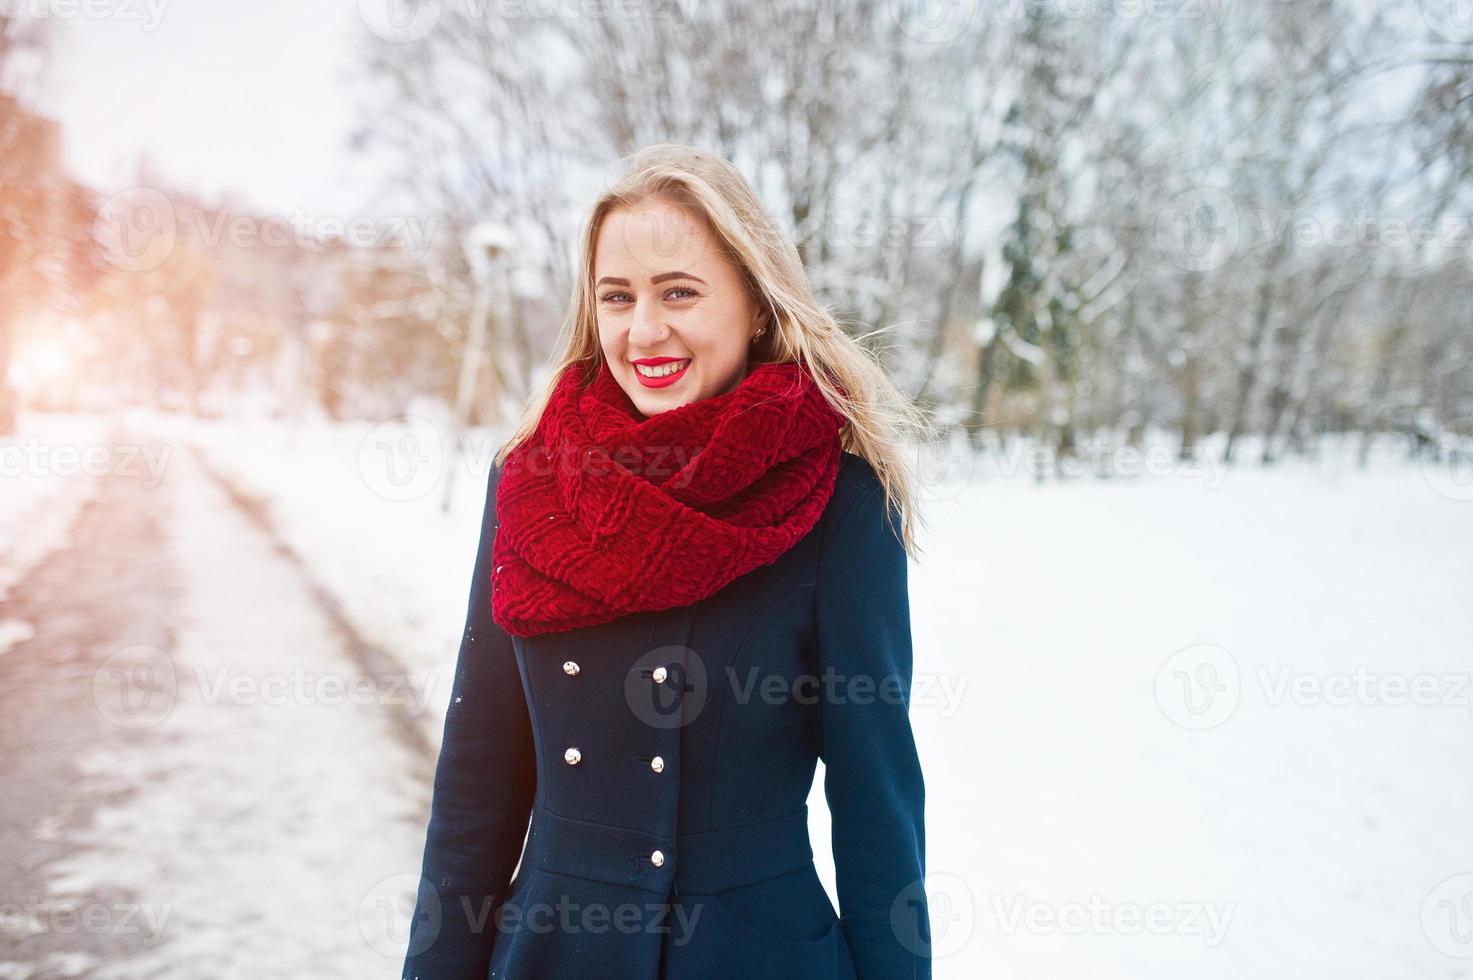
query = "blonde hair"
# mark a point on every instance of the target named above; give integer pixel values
(799, 328)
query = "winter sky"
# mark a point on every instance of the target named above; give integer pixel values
(247, 101)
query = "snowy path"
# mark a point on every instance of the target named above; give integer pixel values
(211, 778)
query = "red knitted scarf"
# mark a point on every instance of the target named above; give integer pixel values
(604, 512)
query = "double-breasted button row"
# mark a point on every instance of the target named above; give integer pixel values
(657, 764)
(573, 756)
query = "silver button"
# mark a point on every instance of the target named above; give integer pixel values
(572, 756)
(657, 764)
(660, 675)
(657, 858)
(570, 667)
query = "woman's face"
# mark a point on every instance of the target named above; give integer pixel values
(669, 303)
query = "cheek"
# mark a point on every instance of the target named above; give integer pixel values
(723, 334)
(733, 343)
(721, 362)
(608, 330)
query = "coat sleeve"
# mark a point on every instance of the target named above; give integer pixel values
(872, 772)
(484, 784)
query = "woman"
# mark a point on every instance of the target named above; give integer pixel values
(691, 586)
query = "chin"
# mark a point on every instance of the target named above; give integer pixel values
(649, 406)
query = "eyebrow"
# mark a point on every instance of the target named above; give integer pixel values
(615, 281)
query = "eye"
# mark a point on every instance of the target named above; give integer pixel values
(674, 293)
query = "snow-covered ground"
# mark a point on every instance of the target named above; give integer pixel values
(1199, 704)
(1192, 723)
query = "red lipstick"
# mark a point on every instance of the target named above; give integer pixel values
(668, 379)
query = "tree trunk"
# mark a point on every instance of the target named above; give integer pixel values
(1248, 369)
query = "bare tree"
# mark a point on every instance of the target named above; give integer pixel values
(1053, 223)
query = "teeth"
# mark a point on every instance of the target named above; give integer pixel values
(662, 370)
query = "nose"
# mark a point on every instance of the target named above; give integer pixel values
(646, 329)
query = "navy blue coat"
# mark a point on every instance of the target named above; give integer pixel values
(659, 766)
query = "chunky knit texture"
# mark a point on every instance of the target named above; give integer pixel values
(604, 512)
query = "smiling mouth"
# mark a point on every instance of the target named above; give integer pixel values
(665, 370)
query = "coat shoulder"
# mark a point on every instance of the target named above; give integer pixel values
(857, 489)
(857, 478)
